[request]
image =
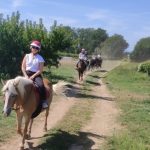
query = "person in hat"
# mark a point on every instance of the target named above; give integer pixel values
(82, 56)
(32, 68)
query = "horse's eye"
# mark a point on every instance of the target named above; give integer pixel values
(13, 95)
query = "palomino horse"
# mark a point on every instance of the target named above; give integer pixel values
(21, 94)
(81, 68)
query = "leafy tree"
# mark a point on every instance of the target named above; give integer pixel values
(90, 38)
(61, 38)
(15, 37)
(142, 50)
(11, 44)
(114, 47)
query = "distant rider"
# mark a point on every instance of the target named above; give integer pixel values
(82, 56)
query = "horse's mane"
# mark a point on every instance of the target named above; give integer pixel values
(17, 82)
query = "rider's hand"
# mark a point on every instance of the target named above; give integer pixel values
(32, 77)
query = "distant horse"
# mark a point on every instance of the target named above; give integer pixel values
(20, 93)
(98, 62)
(95, 63)
(81, 68)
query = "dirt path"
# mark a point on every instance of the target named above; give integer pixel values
(105, 114)
(103, 123)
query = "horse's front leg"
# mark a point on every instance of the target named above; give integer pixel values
(46, 117)
(82, 77)
(19, 122)
(79, 75)
(30, 128)
(27, 120)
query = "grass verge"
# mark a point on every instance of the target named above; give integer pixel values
(132, 90)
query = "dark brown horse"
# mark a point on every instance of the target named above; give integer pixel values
(95, 63)
(81, 67)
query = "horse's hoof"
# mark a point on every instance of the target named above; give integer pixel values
(21, 148)
(27, 137)
(45, 129)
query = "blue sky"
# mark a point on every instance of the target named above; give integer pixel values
(130, 18)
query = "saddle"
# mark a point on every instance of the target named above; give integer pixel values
(37, 95)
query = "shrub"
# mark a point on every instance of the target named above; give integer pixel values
(144, 67)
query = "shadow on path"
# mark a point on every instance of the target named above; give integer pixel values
(62, 140)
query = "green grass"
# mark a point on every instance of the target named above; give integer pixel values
(65, 72)
(127, 78)
(7, 125)
(132, 90)
(126, 141)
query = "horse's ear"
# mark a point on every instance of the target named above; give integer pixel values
(3, 82)
(16, 82)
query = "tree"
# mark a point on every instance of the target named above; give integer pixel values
(11, 44)
(61, 38)
(114, 47)
(142, 50)
(15, 37)
(90, 38)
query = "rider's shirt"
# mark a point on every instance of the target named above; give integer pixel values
(33, 62)
(82, 56)
(98, 56)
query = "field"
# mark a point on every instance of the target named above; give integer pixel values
(132, 98)
(132, 90)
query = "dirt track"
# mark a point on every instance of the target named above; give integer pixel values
(105, 114)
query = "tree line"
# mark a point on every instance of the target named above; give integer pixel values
(16, 36)
(141, 51)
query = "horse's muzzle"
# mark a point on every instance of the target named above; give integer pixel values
(7, 112)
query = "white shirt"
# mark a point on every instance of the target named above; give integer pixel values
(82, 56)
(33, 62)
(99, 56)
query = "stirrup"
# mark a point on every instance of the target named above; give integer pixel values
(44, 105)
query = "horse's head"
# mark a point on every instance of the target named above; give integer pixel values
(10, 95)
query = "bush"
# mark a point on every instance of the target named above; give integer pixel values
(144, 67)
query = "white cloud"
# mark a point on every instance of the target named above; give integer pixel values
(49, 20)
(17, 3)
(4, 10)
(111, 21)
(98, 15)
(65, 20)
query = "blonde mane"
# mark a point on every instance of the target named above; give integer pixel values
(16, 82)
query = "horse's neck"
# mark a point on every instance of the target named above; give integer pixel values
(24, 94)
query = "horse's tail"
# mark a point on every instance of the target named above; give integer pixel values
(54, 88)
(57, 87)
